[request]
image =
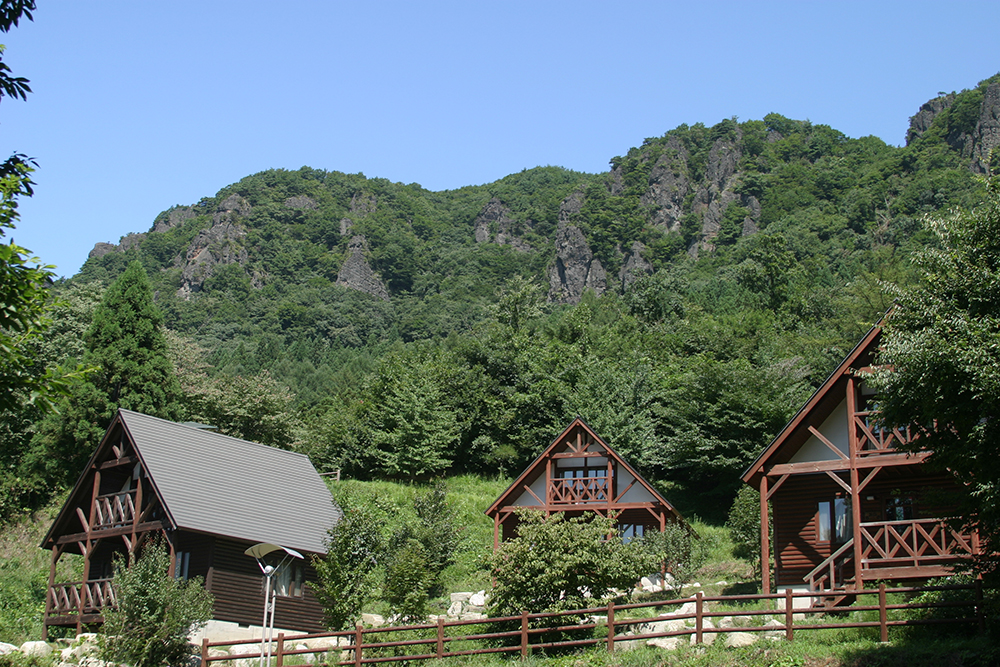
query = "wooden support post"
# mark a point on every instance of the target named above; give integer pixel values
(789, 613)
(524, 635)
(980, 612)
(136, 509)
(765, 540)
(440, 638)
(204, 652)
(281, 649)
(358, 638)
(699, 620)
(90, 548)
(882, 615)
(496, 531)
(548, 486)
(56, 551)
(611, 626)
(852, 445)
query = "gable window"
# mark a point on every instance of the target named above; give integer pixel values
(834, 521)
(899, 508)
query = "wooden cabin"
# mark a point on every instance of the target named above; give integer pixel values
(210, 497)
(578, 473)
(848, 506)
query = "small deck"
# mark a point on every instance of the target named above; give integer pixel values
(79, 603)
(896, 550)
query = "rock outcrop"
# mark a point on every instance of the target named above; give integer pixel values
(357, 274)
(175, 217)
(575, 268)
(922, 120)
(986, 136)
(495, 225)
(361, 205)
(301, 202)
(217, 245)
(634, 266)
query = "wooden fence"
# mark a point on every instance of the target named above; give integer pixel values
(618, 623)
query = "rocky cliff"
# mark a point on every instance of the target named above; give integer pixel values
(355, 273)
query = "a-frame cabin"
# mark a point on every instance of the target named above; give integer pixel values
(848, 506)
(210, 497)
(579, 473)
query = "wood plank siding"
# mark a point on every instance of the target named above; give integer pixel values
(237, 584)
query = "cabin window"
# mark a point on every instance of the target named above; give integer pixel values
(182, 564)
(899, 508)
(631, 531)
(288, 582)
(834, 521)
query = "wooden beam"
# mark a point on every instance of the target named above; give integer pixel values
(622, 494)
(878, 461)
(870, 477)
(777, 485)
(528, 489)
(160, 524)
(822, 438)
(844, 485)
(578, 455)
(121, 461)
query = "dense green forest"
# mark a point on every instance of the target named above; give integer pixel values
(394, 332)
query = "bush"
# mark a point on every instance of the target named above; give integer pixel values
(679, 548)
(557, 563)
(155, 612)
(744, 525)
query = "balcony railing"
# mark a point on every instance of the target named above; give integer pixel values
(875, 439)
(96, 594)
(113, 510)
(914, 543)
(578, 490)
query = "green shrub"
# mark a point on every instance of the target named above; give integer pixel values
(155, 612)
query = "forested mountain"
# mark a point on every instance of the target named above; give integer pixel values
(684, 303)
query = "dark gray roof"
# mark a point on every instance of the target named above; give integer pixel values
(216, 484)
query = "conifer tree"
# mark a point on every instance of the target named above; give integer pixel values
(127, 347)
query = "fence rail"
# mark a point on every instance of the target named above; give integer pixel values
(531, 632)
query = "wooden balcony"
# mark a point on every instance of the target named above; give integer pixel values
(578, 491)
(910, 549)
(72, 599)
(114, 510)
(874, 439)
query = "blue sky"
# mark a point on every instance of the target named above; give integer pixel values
(139, 106)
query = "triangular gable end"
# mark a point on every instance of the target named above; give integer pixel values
(820, 405)
(116, 454)
(578, 439)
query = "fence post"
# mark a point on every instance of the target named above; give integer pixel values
(882, 614)
(980, 615)
(524, 635)
(440, 641)
(281, 649)
(698, 623)
(789, 615)
(611, 626)
(204, 652)
(358, 638)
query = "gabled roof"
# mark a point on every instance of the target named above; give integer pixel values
(864, 350)
(215, 484)
(537, 467)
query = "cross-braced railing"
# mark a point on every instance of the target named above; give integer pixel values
(579, 490)
(875, 438)
(914, 543)
(114, 509)
(95, 595)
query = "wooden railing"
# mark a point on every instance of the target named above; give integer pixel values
(829, 575)
(888, 545)
(611, 625)
(114, 509)
(875, 439)
(914, 543)
(578, 490)
(96, 594)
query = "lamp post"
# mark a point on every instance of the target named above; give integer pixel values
(259, 552)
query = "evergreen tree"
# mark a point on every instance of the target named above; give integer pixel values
(126, 345)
